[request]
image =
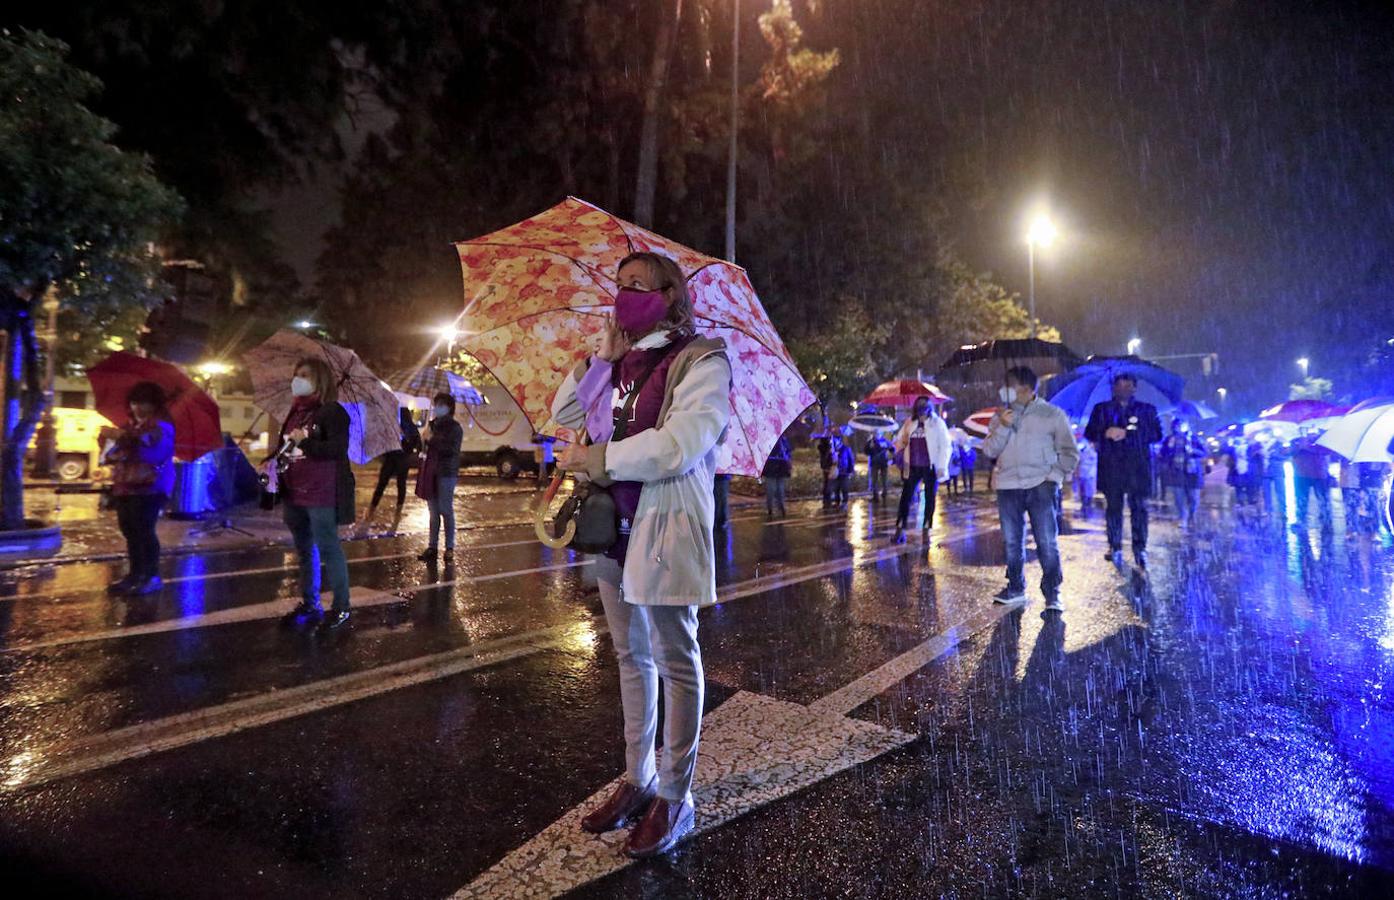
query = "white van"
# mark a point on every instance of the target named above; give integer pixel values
(497, 434)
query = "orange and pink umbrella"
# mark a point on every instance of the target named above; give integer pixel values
(537, 294)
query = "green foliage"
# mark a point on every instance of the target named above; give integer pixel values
(842, 236)
(76, 212)
(1311, 388)
(469, 368)
(839, 362)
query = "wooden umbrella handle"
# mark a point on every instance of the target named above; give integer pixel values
(539, 524)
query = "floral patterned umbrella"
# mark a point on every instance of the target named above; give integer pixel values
(537, 294)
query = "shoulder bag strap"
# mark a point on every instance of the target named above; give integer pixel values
(623, 425)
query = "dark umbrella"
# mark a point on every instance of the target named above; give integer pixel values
(974, 373)
(198, 426)
(1012, 352)
(1079, 391)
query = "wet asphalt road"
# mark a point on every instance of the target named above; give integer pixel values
(1222, 728)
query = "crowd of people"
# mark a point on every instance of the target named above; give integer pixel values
(653, 406)
(1257, 470)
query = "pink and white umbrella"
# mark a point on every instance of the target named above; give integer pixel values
(536, 297)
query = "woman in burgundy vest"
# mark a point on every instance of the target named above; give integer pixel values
(655, 402)
(316, 487)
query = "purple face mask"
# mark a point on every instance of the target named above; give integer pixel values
(638, 311)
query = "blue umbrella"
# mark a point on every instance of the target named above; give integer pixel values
(1194, 410)
(1079, 391)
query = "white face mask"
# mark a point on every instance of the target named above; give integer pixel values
(1007, 394)
(441, 411)
(301, 387)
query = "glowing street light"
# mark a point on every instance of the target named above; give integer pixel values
(212, 368)
(1304, 363)
(304, 324)
(1041, 233)
(1134, 345)
(449, 334)
(1223, 392)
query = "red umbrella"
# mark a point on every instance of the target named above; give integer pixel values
(980, 421)
(903, 392)
(198, 428)
(1297, 411)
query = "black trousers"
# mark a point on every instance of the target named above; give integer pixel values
(136, 516)
(1137, 516)
(914, 476)
(395, 464)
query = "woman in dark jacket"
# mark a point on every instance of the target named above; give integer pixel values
(316, 487)
(441, 470)
(776, 474)
(143, 461)
(395, 464)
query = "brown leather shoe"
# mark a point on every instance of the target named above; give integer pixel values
(665, 823)
(625, 805)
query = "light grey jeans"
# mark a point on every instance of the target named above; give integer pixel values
(655, 642)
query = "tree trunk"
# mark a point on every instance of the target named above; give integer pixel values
(24, 405)
(647, 182)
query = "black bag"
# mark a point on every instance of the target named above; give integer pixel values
(596, 517)
(591, 507)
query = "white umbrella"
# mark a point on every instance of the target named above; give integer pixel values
(1283, 431)
(1363, 434)
(870, 422)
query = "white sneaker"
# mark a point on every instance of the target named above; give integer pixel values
(1009, 595)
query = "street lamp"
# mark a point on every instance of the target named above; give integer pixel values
(1223, 392)
(735, 125)
(1304, 363)
(209, 371)
(1134, 345)
(449, 333)
(304, 324)
(212, 368)
(1041, 233)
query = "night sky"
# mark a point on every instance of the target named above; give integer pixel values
(1220, 170)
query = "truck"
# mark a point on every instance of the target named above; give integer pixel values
(76, 432)
(497, 434)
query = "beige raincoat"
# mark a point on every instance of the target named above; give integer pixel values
(671, 560)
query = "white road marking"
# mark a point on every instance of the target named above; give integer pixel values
(755, 750)
(84, 593)
(360, 597)
(137, 741)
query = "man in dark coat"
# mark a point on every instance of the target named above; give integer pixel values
(1124, 430)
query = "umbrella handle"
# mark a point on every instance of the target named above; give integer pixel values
(539, 524)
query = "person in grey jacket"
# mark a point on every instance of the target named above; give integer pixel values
(655, 401)
(1035, 451)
